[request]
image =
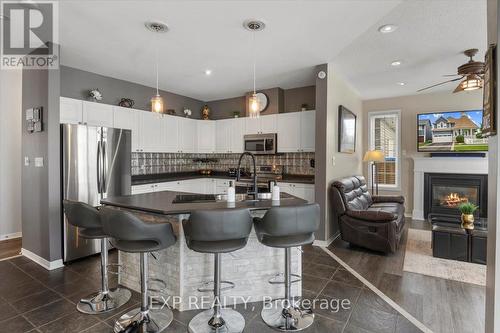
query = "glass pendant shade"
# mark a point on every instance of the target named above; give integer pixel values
(254, 106)
(157, 104)
(471, 82)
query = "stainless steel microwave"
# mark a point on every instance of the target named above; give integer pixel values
(261, 144)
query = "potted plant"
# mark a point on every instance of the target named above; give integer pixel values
(467, 209)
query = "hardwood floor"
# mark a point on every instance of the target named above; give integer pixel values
(442, 305)
(10, 248)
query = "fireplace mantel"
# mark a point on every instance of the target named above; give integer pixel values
(470, 165)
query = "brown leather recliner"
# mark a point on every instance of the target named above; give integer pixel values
(373, 222)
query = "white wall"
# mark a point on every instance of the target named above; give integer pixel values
(339, 165)
(10, 153)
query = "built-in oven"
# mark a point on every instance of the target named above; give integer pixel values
(261, 144)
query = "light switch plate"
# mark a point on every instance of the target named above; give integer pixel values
(39, 162)
(26, 161)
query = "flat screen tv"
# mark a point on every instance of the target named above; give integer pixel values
(458, 131)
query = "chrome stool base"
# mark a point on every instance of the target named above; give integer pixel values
(234, 322)
(103, 302)
(150, 321)
(294, 318)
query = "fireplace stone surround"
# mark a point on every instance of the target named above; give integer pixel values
(442, 165)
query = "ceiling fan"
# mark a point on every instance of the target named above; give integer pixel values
(471, 73)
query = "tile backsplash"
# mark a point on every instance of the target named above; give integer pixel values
(156, 163)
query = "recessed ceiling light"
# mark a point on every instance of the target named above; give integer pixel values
(401, 83)
(208, 71)
(396, 63)
(387, 28)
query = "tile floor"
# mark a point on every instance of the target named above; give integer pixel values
(36, 300)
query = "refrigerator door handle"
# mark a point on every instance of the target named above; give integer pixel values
(104, 168)
(99, 170)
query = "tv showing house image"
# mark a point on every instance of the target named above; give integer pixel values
(459, 131)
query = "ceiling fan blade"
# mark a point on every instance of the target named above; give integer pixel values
(439, 84)
(451, 75)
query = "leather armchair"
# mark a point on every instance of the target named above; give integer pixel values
(373, 222)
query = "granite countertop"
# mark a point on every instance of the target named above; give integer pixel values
(170, 177)
(162, 203)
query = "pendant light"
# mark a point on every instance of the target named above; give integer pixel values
(157, 102)
(254, 106)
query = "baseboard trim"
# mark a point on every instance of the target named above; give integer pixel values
(48, 265)
(322, 243)
(11, 236)
(409, 215)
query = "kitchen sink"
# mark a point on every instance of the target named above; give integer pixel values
(245, 197)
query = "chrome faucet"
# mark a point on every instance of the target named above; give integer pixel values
(238, 178)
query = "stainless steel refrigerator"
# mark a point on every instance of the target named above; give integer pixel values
(95, 165)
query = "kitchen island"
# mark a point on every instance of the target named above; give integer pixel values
(184, 271)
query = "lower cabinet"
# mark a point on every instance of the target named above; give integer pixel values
(219, 186)
(303, 191)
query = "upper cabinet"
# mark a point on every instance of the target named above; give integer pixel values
(296, 132)
(206, 136)
(152, 132)
(126, 118)
(229, 135)
(95, 114)
(71, 111)
(187, 134)
(171, 142)
(307, 131)
(261, 125)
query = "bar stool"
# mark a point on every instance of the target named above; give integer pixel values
(132, 235)
(216, 232)
(86, 218)
(287, 227)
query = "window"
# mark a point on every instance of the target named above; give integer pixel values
(384, 135)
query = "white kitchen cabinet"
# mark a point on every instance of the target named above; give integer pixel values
(126, 118)
(229, 135)
(70, 111)
(187, 134)
(222, 144)
(145, 188)
(296, 131)
(206, 136)
(171, 134)
(96, 114)
(307, 131)
(289, 132)
(151, 131)
(303, 191)
(236, 130)
(261, 125)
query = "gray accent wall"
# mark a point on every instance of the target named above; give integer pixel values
(280, 100)
(76, 83)
(321, 150)
(41, 186)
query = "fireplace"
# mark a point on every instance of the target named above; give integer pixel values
(444, 192)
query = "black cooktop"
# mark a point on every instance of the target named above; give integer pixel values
(187, 198)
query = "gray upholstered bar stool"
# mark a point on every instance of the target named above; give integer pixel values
(217, 232)
(287, 227)
(87, 219)
(130, 234)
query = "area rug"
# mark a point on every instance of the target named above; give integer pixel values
(419, 259)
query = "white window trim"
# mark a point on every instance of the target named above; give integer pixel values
(396, 187)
